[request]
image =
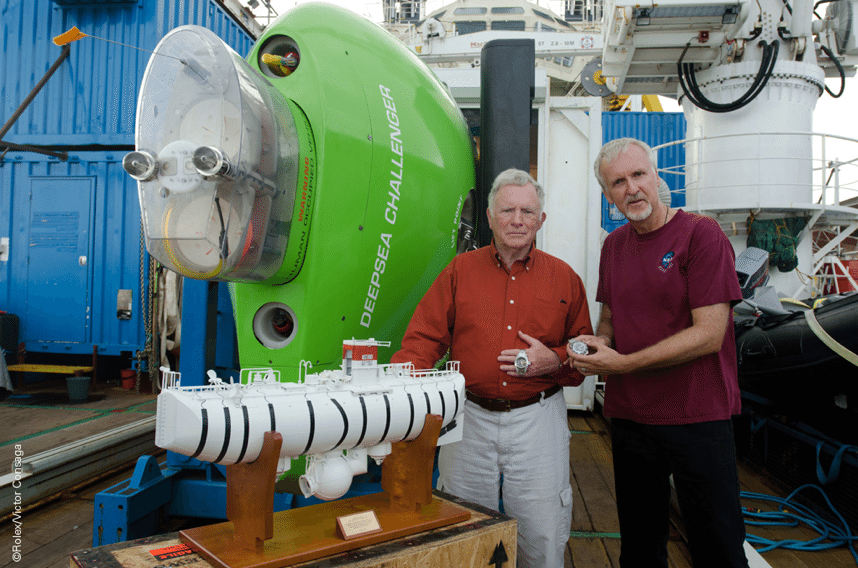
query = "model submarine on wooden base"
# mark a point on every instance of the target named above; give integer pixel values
(337, 418)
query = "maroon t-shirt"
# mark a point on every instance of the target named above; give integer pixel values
(651, 282)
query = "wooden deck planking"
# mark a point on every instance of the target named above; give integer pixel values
(25, 421)
(42, 418)
(52, 532)
(594, 509)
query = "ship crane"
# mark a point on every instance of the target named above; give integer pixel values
(748, 76)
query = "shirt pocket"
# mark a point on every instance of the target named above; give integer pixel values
(547, 321)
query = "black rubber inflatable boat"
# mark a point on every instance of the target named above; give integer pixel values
(784, 362)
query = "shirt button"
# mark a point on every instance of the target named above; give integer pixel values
(504, 384)
(512, 301)
(509, 327)
(513, 277)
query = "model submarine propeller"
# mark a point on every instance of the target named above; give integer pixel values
(328, 193)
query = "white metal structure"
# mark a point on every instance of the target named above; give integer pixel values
(748, 75)
(756, 158)
(454, 35)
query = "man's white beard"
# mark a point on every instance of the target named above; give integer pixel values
(642, 216)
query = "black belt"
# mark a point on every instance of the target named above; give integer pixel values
(504, 405)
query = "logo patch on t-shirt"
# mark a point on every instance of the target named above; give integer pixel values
(667, 261)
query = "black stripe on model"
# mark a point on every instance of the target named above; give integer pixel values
(204, 433)
(411, 423)
(271, 415)
(345, 423)
(227, 431)
(246, 417)
(387, 425)
(363, 430)
(312, 427)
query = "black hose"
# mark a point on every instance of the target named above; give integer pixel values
(815, 6)
(834, 60)
(688, 81)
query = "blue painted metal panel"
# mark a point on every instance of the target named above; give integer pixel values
(199, 331)
(92, 98)
(58, 258)
(67, 304)
(654, 128)
(132, 508)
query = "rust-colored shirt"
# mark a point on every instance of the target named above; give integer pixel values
(476, 307)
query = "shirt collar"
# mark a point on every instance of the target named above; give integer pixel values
(528, 260)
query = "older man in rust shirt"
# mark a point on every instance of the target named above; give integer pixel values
(505, 312)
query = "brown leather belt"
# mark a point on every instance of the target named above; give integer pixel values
(504, 405)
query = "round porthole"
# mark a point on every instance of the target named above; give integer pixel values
(279, 57)
(274, 325)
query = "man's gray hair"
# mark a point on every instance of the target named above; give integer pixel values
(520, 178)
(616, 147)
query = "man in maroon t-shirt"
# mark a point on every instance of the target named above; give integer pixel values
(665, 343)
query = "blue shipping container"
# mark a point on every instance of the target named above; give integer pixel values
(75, 255)
(92, 97)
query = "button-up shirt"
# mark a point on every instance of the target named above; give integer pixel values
(476, 307)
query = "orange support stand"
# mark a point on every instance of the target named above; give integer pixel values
(250, 496)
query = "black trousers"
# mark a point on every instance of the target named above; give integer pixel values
(702, 459)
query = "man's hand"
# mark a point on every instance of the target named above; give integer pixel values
(601, 359)
(705, 336)
(542, 359)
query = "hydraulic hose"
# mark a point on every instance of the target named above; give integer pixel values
(830, 534)
(688, 81)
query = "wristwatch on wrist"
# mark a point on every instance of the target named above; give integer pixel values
(522, 363)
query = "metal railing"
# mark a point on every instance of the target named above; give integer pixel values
(833, 164)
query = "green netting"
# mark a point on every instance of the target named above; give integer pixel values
(779, 237)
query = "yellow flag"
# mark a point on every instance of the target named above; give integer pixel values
(73, 34)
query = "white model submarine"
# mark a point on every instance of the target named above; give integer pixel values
(336, 418)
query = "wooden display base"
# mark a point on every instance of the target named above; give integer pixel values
(255, 537)
(486, 540)
(310, 532)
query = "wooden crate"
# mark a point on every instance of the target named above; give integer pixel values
(488, 538)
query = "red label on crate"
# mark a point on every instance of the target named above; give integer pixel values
(171, 552)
